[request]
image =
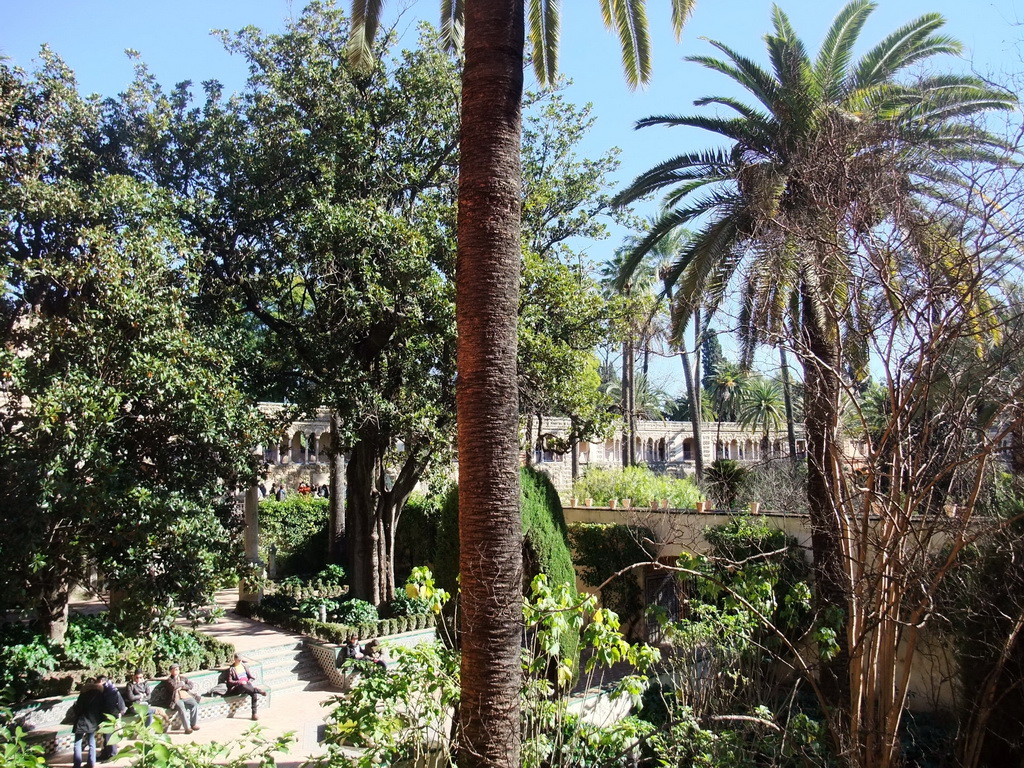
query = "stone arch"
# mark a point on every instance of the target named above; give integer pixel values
(688, 451)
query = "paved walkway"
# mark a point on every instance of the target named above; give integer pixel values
(299, 712)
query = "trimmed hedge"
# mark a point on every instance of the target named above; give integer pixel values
(603, 550)
(545, 536)
(331, 632)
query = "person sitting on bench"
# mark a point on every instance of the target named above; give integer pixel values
(241, 680)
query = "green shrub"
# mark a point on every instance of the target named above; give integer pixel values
(297, 527)
(92, 642)
(638, 484)
(356, 612)
(416, 537)
(24, 658)
(602, 551)
(332, 574)
(545, 537)
(403, 605)
(724, 480)
(310, 607)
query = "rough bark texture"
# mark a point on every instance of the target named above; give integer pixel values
(336, 550)
(787, 396)
(487, 288)
(372, 510)
(821, 417)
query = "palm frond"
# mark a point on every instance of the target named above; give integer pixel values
(736, 128)
(453, 24)
(786, 50)
(714, 162)
(365, 18)
(908, 44)
(628, 19)
(681, 11)
(744, 71)
(750, 113)
(543, 23)
(661, 227)
(836, 51)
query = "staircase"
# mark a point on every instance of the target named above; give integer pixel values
(288, 668)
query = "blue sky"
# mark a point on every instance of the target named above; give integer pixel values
(174, 40)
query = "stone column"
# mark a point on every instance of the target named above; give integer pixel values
(252, 542)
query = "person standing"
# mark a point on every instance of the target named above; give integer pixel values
(113, 704)
(87, 714)
(183, 699)
(241, 680)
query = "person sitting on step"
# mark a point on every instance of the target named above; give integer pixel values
(241, 680)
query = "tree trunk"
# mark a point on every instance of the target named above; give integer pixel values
(821, 417)
(52, 612)
(372, 512)
(692, 379)
(695, 404)
(624, 397)
(336, 552)
(787, 396)
(628, 403)
(361, 528)
(487, 297)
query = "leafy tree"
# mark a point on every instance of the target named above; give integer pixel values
(489, 243)
(834, 149)
(322, 197)
(122, 431)
(710, 351)
(562, 315)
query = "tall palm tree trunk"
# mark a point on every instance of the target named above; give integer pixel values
(628, 392)
(487, 296)
(787, 397)
(824, 488)
(697, 408)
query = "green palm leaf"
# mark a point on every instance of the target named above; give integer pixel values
(908, 44)
(453, 24)
(628, 19)
(837, 50)
(543, 23)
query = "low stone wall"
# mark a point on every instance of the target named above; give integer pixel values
(328, 655)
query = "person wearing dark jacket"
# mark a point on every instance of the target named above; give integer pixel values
(87, 714)
(241, 680)
(138, 692)
(183, 698)
(113, 704)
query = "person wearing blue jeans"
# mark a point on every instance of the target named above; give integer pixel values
(87, 714)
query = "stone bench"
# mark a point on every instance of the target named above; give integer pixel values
(47, 721)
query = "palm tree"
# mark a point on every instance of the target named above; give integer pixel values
(487, 282)
(726, 391)
(762, 407)
(833, 151)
